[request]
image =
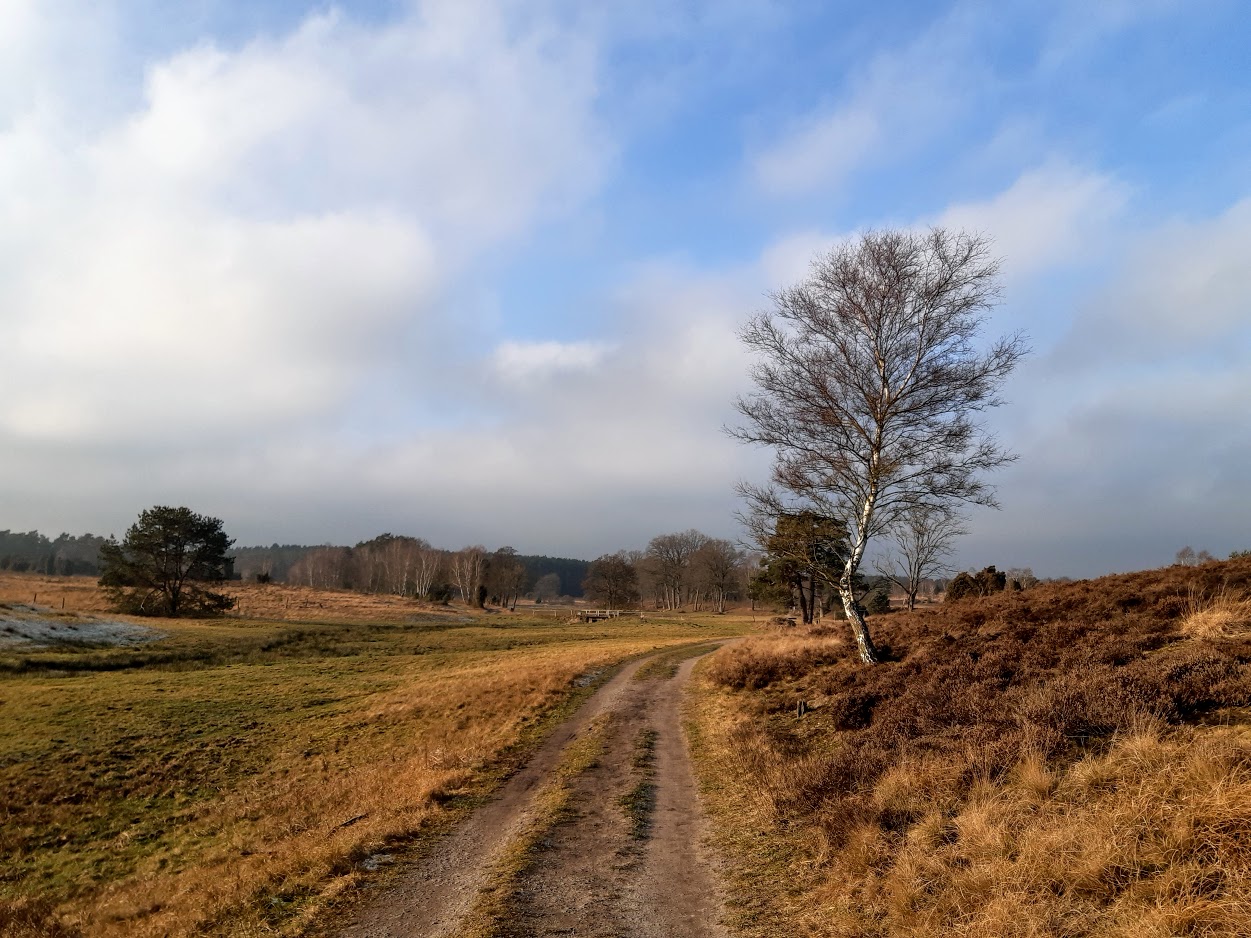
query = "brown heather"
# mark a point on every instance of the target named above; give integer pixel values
(1070, 760)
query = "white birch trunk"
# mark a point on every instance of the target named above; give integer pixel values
(846, 591)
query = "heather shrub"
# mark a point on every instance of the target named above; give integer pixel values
(1027, 762)
(1058, 670)
(758, 662)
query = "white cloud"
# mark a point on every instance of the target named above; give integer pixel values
(1180, 292)
(1078, 26)
(474, 123)
(788, 260)
(258, 234)
(1051, 215)
(1189, 281)
(888, 107)
(822, 151)
(1133, 423)
(525, 362)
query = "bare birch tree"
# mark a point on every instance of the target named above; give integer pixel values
(922, 539)
(468, 566)
(427, 567)
(869, 381)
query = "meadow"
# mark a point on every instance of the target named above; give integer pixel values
(1070, 760)
(240, 775)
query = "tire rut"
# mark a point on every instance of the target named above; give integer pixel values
(596, 873)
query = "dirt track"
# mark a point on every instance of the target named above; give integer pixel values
(603, 869)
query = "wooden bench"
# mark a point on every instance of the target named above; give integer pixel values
(595, 615)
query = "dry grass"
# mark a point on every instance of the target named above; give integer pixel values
(237, 776)
(270, 601)
(1223, 615)
(71, 593)
(759, 661)
(1067, 761)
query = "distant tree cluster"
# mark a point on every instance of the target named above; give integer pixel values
(1189, 557)
(273, 562)
(388, 563)
(550, 578)
(990, 580)
(684, 570)
(410, 566)
(613, 581)
(66, 556)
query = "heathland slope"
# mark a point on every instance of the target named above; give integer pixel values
(1069, 760)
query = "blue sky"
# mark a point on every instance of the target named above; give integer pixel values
(473, 270)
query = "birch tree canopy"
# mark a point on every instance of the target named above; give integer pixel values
(870, 380)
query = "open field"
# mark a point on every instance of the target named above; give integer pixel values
(238, 774)
(1066, 761)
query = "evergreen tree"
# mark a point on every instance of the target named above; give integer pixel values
(158, 568)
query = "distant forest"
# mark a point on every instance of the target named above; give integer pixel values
(65, 556)
(316, 565)
(389, 557)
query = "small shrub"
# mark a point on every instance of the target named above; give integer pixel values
(877, 602)
(961, 585)
(983, 583)
(757, 663)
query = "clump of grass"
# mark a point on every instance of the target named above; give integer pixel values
(759, 661)
(491, 915)
(1024, 764)
(1225, 614)
(645, 750)
(639, 803)
(23, 917)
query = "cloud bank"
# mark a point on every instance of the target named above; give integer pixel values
(474, 271)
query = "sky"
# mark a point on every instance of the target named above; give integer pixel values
(473, 271)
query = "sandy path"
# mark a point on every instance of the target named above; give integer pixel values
(590, 877)
(678, 890)
(594, 879)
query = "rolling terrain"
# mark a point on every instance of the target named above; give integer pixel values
(1073, 759)
(1067, 760)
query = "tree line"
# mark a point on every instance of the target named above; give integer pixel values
(36, 553)
(684, 570)
(403, 565)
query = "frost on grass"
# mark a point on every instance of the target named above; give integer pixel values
(21, 625)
